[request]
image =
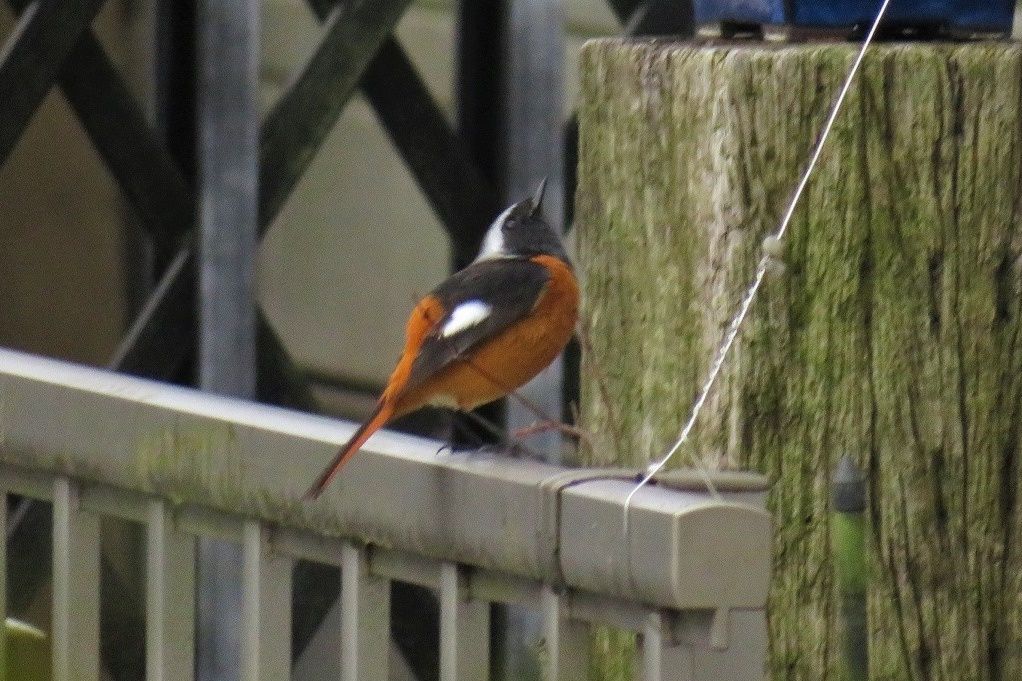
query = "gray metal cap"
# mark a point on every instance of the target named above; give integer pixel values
(848, 487)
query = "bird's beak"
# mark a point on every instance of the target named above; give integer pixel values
(537, 198)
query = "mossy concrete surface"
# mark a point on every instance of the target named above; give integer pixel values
(890, 332)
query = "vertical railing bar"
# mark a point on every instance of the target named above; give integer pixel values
(365, 618)
(250, 583)
(448, 622)
(266, 598)
(464, 629)
(75, 626)
(554, 666)
(170, 597)
(652, 647)
(3, 583)
(567, 640)
(275, 602)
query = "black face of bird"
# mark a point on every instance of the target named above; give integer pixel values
(520, 231)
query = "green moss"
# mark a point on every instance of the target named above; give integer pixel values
(848, 542)
(205, 465)
(612, 655)
(194, 463)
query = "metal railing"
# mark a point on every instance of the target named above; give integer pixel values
(690, 577)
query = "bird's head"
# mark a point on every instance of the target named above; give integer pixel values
(521, 232)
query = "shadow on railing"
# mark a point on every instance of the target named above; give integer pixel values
(690, 579)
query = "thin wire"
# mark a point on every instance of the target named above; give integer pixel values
(750, 295)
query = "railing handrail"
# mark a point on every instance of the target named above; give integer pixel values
(520, 518)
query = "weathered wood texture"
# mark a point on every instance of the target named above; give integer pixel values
(892, 333)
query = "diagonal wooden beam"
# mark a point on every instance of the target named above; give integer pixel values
(124, 139)
(306, 113)
(462, 198)
(141, 164)
(162, 337)
(290, 135)
(160, 341)
(32, 57)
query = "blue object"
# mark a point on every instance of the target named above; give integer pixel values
(965, 15)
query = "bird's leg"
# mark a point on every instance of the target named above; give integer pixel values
(486, 424)
(545, 422)
(544, 426)
(459, 428)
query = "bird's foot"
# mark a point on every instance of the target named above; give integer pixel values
(510, 448)
(565, 429)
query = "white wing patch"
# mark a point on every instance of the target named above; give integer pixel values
(465, 316)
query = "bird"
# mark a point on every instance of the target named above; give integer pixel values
(484, 331)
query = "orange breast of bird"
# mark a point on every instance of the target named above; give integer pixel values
(501, 364)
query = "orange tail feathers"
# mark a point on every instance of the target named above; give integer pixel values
(384, 410)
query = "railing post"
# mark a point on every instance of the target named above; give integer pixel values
(566, 655)
(365, 619)
(3, 583)
(651, 648)
(534, 141)
(266, 613)
(170, 597)
(75, 628)
(464, 630)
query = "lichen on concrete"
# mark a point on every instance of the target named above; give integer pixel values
(191, 463)
(205, 464)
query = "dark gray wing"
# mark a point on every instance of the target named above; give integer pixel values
(508, 287)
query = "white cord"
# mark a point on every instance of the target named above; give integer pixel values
(743, 309)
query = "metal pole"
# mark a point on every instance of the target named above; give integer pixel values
(847, 536)
(228, 176)
(534, 134)
(228, 121)
(533, 142)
